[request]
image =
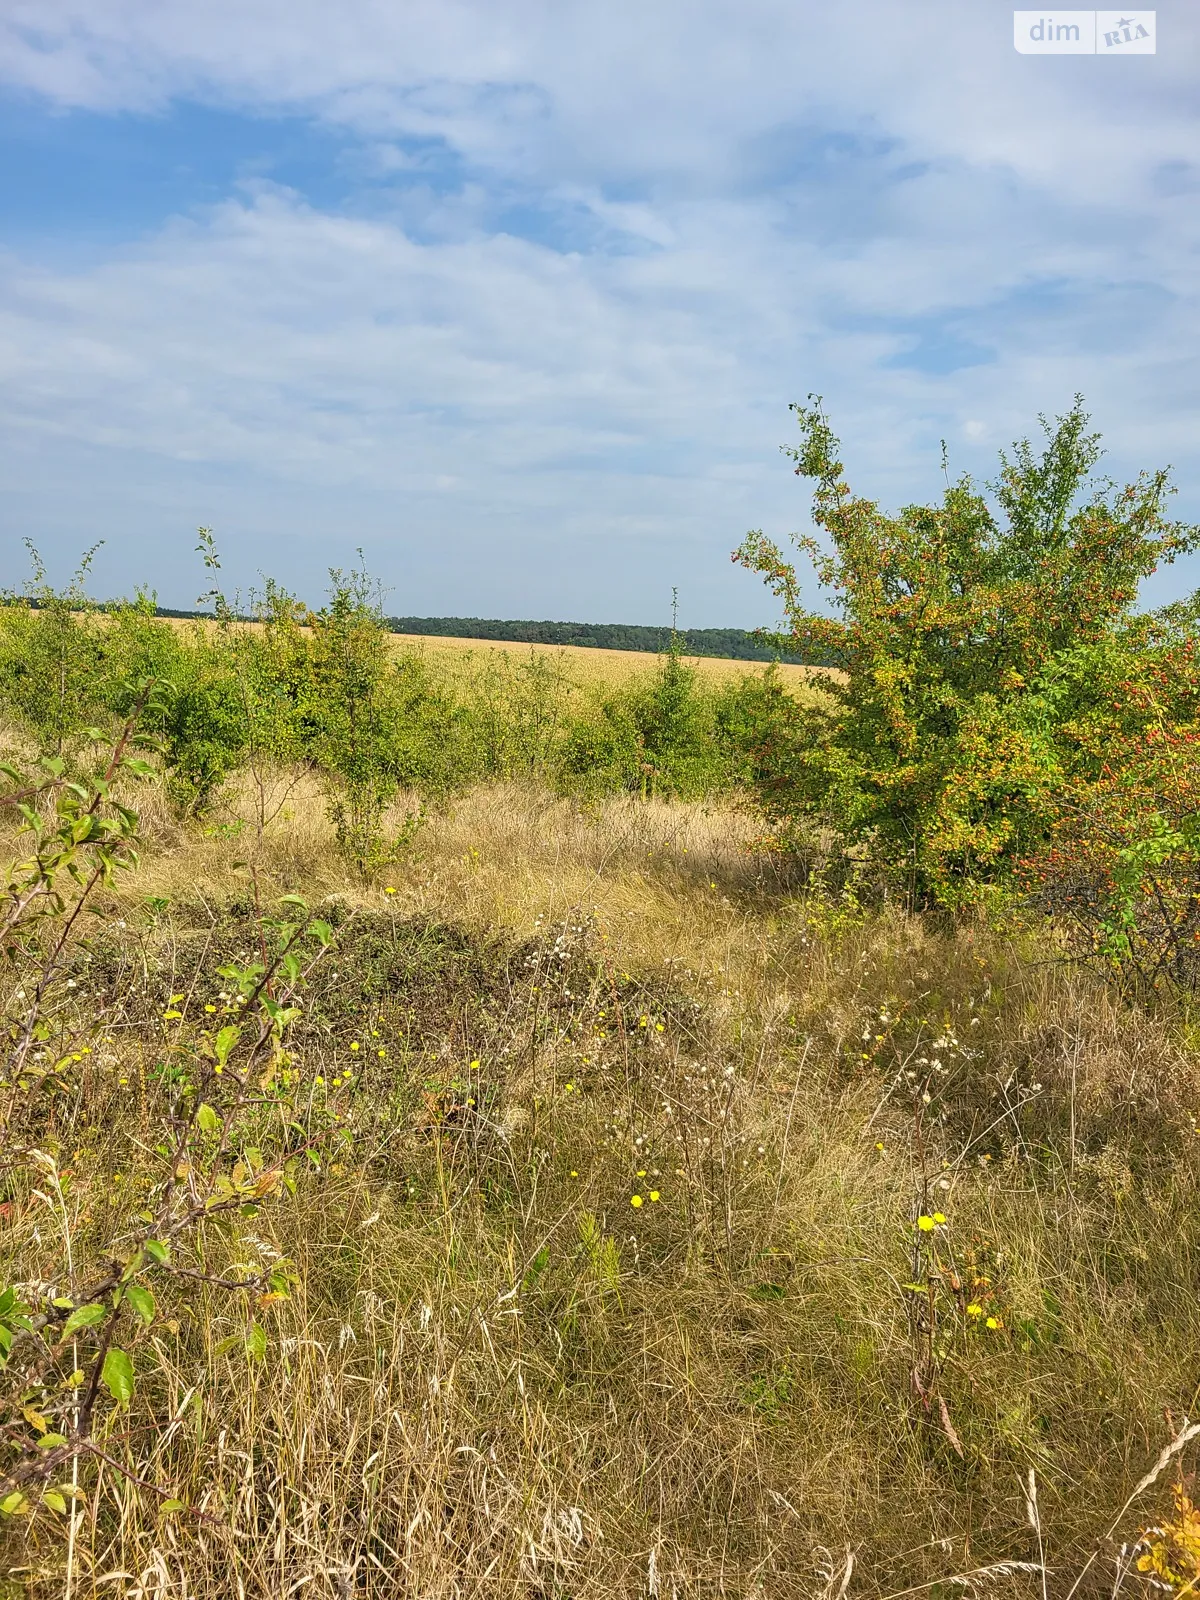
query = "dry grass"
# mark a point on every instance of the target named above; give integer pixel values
(587, 662)
(667, 881)
(496, 1377)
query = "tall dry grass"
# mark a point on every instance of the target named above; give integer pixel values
(497, 1376)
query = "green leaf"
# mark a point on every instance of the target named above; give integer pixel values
(158, 1251)
(256, 1342)
(207, 1119)
(536, 1267)
(224, 1043)
(171, 1505)
(50, 1441)
(142, 1302)
(117, 1376)
(769, 1291)
(13, 1504)
(84, 1317)
(55, 1501)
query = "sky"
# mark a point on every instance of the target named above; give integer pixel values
(513, 295)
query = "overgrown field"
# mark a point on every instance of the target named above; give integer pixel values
(486, 1133)
(597, 1263)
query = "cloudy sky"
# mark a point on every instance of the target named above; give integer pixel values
(514, 294)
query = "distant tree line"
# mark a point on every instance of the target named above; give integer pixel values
(733, 643)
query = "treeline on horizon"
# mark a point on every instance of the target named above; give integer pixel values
(733, 644)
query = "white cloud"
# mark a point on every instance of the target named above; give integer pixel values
(768, 198)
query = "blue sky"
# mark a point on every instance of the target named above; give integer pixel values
(514, 294)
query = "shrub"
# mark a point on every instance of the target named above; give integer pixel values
(50, 655)
(657, 737)
(948, 752)
(1120, 866)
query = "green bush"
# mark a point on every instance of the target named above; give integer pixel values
(948, 753)
(50, 658)
(274, 687)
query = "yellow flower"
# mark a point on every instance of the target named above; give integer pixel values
(641, 1172)
(879, 1146)
(381, 1054)
(474, 1065)
(389, 890)
(974, 1310)
(654, 1194)
(574, 1174)
(354, 1046)
(938, 1218)
(993, 1322)
(926, 1224)
(635, 1200)
(210, 1010)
